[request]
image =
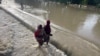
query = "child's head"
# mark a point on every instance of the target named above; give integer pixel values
(40, 26)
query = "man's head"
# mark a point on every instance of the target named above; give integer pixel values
(48, 21)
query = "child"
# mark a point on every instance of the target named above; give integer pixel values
(39, 35)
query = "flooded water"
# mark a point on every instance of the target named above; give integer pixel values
(82, 22)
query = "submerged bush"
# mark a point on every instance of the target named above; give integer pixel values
(98, 6)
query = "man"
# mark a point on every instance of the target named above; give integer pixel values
(47, 30)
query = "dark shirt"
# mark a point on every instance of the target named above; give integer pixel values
(47, 29)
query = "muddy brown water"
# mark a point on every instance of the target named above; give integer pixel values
(81, 22)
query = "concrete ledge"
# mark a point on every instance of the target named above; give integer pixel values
(25, 23)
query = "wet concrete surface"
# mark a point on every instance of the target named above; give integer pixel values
(14, 36)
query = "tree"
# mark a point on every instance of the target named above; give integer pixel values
(84, 2)
(91, 2)
(76, 1)
(97, 3)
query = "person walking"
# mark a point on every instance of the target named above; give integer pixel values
(39, 35)
(47, 30)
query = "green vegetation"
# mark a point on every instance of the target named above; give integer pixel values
(98, 5)
(83, 2)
